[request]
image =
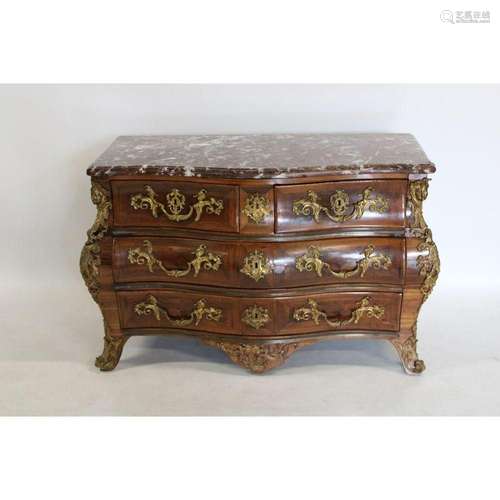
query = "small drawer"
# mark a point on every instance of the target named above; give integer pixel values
(340, 205)
(210, 207)
(182, 310)
(341, 311)
(175, 260)
(321, 262)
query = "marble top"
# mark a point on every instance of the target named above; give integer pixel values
(261, 155)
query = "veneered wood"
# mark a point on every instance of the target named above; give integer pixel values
(280, 312)
(340, 254)
(392, 191)
(255, 321)
(126, 215)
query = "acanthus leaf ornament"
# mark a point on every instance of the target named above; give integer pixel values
(201, 310)
(407, 351)
(258, 358)
(417, 194)
(428, 264)
(256, 265)
(340, 201)
(256, 208)
(311, 312)
(256, 316)
(311, 262)
(90, 258)
(176, 202)
(202, 260)
(113, 347)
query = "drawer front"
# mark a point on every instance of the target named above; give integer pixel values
(341, 205)
(339, 311)
(308, 313)
(174, 260)
(212, 207)
(321, 262)
(184, 310)
(259, 265)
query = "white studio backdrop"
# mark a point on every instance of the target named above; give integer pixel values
(51, 329)
(49, 134)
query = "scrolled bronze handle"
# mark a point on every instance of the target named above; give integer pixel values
(311, 262)
(203, 260)
(340, 201)
(200, 311)
(176, 202)
(311, 312)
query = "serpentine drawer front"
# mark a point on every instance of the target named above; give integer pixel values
(262, 244)
(259, 265)
(302, 314)
(176, 204)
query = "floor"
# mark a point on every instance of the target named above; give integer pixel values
(50, 339)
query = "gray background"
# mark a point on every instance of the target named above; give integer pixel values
(51, 330)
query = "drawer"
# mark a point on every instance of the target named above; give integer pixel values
(210, 207)
(259, 265)
(308, 313)
(321, 262)
(175, 260)
(173, 309)
(341, 205)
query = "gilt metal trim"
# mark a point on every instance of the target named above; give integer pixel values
(203, 260)
(200, 311)
(90, 258)
(428, 265)
(257, 208)
(311, 262)
(311, 312)
(340, 202)
(417, 194)
(176, 203)
(113, 347)
(258, 358)
(256, 316)
(256, 265)
(407, 351)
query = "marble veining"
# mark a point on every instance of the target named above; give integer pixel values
(261, 155)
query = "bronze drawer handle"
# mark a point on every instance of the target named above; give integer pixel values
(312, 312)
(176, 202)
(256, 265)
(311, 261)
(340, 201)
(256, 316)
(203, 260)
(200, 311)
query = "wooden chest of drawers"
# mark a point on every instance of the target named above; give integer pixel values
(261, 244)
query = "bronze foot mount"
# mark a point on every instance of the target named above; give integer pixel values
(407, 350)
(113, 347)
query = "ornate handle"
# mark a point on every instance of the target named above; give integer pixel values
(256, 265)
(339, 204)
(312, 312)
(203, 259)
(311, 261)
(200, 311)
(256, 316)
(256, 208)
(176, 202)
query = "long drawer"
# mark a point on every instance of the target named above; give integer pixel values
(214, 313)
(341, 205)
(259, 265)
(213, 207)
